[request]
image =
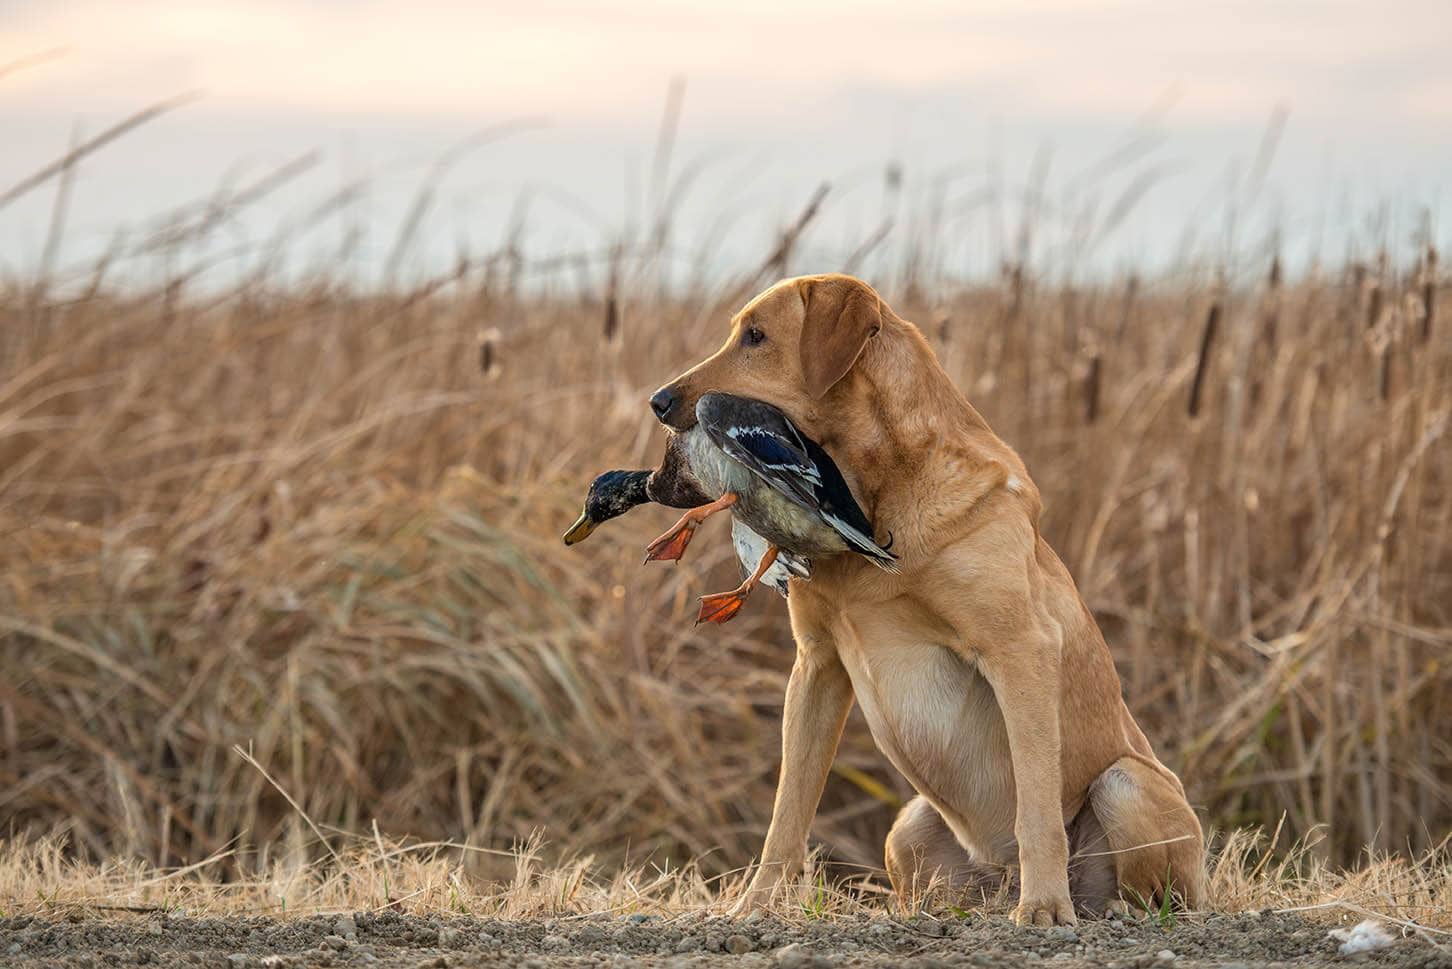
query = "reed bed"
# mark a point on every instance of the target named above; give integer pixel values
(281, 566)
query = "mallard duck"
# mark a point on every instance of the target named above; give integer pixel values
(614, 493)
(781, 485)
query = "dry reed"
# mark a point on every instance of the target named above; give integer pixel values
(300, 520)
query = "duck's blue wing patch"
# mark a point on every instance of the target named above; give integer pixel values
(771, 458)
(775, 453)
(760, 437)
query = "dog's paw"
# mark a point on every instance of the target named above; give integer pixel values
(755, 900)
(1044, 912)
(767, 885)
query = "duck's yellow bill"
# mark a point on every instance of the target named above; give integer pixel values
(580, 530)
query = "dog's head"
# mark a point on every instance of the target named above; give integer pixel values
(789, 347)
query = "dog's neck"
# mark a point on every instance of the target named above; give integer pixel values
(898, 415)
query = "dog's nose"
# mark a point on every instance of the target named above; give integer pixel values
(663, 401)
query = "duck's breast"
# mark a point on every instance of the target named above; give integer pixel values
(717, 473)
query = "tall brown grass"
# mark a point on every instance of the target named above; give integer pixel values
(323, 526)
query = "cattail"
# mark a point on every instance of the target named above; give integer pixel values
(1091, 390)
(1373, 306)
(612, 318)
(1015, 274)
(612, 290)
(1207, 341)
(1273, 298)
(1429, 293)
(1126, 309)
(488, 353)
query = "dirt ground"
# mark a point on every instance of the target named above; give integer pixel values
(390, 940)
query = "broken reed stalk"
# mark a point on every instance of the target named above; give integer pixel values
(776, 263)
(100, 141)
(61, 207)
(32, 60)
(1207, 342)
(660, 163)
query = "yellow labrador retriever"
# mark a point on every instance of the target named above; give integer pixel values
(980, 671)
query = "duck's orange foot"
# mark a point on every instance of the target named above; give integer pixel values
(670, 546)
(721, 607)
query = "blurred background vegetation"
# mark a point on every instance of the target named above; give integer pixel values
(284, 467)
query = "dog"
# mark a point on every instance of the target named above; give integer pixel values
(982, 675)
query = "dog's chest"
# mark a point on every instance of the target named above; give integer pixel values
(934, 717)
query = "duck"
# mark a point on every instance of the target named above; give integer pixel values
(788, 499)
(781, 485)
(613, 493)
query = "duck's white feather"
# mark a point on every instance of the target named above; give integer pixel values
(750, 547)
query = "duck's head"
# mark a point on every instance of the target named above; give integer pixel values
(611, 495)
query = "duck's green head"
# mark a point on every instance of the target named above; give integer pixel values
(610, 496)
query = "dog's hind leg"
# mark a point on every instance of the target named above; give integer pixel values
(923, 856)
(1152, 833)
(1093, 881)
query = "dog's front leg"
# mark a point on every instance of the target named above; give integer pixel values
(1024, 673)
(818, 697)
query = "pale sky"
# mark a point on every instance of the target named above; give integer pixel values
(778, 96)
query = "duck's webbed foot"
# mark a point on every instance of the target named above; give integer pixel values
(723, 606)
(671, 545)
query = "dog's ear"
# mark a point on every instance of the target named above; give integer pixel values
(842, 314)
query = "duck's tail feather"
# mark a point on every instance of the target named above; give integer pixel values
(862, 543)
(797, 565)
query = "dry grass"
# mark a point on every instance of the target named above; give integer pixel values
(324, 526)
(43, 878)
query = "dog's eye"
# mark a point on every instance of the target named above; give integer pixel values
(752, 336)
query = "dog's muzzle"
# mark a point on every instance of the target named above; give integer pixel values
(664, 402)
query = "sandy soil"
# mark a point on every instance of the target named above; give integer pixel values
(391, 940)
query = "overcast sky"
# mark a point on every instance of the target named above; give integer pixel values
(966, 97)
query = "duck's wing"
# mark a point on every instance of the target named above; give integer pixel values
(759, 436)
(672, 484)
(840, 510)
(763, 439)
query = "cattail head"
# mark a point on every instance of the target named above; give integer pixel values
(489, 353)
(1091, 388)
(1207, 343)
(612, 318)
(1429, 292)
